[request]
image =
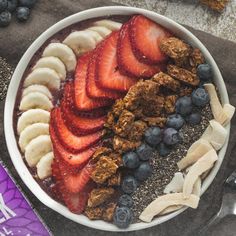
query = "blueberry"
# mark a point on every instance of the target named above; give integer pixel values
(125, 201)
(143, 171)
(122, 217)
(131, 160)
(184, 106)
(5, 18)
(200, 97)
(12, 5)
(27, 3)
(163, 149)
(204, 72)
(22, 13)
(175, 121)
(171, 136)
(153, 136)
(194, 118)
(3, 5)
(145, 152)
(129, 184)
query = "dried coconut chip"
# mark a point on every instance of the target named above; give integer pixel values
(170, 209)
(196, 170)
(215, 134)
(229, 111)
(176, 184)
(216, 106)
(197, 187)
(196, 151)
(165, 201)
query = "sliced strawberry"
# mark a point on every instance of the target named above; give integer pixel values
(127, 61)
(108, 75)
(82, 101)
(68, 97)
(76, 202)
(75, 182)
(145, 38)
(73, 143)
(92, 89)
(80, 125)
(73, 161)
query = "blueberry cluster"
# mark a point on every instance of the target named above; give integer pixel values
(21, 8)
(163, 140)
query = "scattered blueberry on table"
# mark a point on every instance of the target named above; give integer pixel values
(20, 8)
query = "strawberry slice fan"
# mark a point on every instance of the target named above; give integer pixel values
(145, 36)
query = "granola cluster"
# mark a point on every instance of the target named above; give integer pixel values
(217, 5)
(146, 104)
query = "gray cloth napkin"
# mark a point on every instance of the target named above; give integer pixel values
(14, 41)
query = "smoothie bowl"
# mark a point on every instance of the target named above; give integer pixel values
(117, 118)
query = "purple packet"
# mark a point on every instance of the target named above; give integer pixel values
(17, 217)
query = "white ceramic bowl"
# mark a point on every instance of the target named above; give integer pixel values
(17, 160)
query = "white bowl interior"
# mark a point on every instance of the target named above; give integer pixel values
(16, 157)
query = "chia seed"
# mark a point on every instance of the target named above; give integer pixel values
(5, 76)
(164, 168)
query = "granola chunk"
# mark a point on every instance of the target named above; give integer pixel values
(217, 5)
(110, 122)
(185, 91)
(155, 121)
(122, 145)
(165, 80)
(108, 211)
(101, 151)
(137, 131)
(183, 75)
(118, 107)
(153, 106)
(104, 168)
(196, 58)
(170, 103)
(117, 158)
(93, 213)
(99, 196)
(175, 48)
(101, 213)
(115, 179)
(124, 123)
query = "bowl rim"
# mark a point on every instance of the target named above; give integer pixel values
(11, 142)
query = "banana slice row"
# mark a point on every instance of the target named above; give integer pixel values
(86, 40)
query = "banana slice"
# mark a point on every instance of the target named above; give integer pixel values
(229, 111)
(165, 201)
(216, 107)
(37, 88)
(80, 42)
(37, 148)
(103, 31)
(53, 63)
(198, 168)
(31, 132)
(215, 134)
(109, 24)
(63, 52)
(35, 100)
(43, 76)
(44, 169)
(176, 184)
(96, 36)
(196, 151)
(32, 116)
